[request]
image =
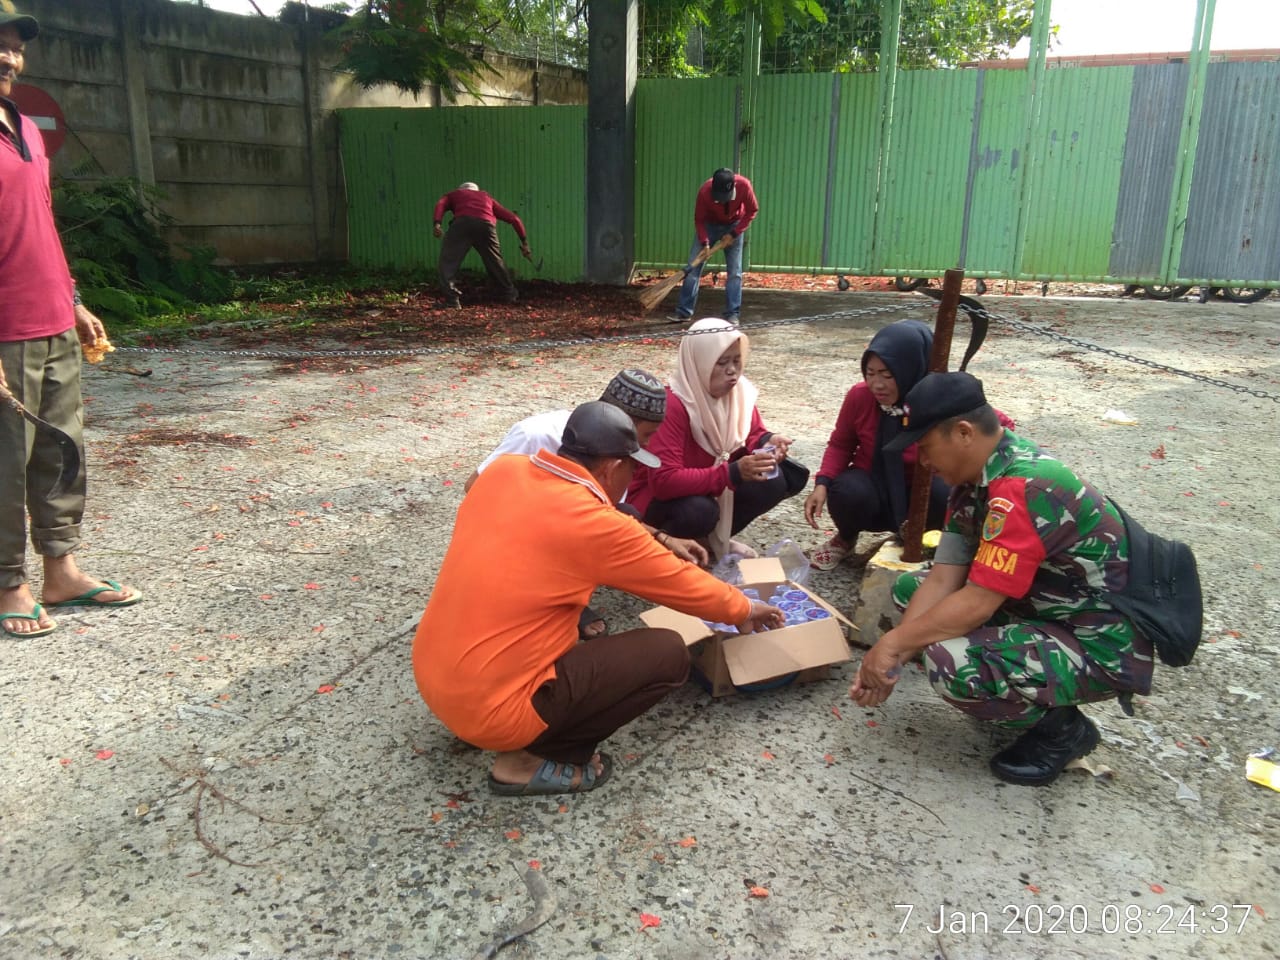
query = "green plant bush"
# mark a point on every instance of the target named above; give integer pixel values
(123, 266)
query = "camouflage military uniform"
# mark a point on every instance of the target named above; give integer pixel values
(1035, 532)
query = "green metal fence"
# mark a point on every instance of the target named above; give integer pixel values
(1093, 174)
(398, 162)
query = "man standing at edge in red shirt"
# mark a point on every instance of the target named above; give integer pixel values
(475, 226)
(726, 205)
(42, 323)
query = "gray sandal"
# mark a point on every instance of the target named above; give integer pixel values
(548, 782)
(587, 618)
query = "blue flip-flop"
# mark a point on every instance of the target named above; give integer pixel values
(34, 615)
(90, 598)
(547, 782)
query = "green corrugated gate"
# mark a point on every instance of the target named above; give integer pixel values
(971, 172)
(398, 162)
(1074, 173)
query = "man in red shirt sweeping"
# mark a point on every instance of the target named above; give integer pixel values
(726, 205)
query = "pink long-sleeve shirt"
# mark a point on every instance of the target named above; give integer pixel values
(687, 470)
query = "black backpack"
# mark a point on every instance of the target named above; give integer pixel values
(1162, 599)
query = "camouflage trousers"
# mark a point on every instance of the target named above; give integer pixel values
(1011, 672)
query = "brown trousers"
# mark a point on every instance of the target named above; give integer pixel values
(45, 375)
(602, 685)
(468, 233)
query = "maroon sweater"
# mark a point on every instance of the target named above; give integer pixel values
(686, 468)
(477, 203)
(853, 441)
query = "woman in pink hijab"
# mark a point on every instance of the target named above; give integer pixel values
(721, 468)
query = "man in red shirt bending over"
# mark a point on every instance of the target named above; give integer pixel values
(475, 226)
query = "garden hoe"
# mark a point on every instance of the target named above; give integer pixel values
(67, 448)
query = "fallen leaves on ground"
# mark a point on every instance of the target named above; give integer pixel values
(1091, 767)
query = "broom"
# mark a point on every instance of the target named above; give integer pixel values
(653, 295)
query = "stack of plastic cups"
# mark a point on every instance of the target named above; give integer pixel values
(751, 593)
(793, 603)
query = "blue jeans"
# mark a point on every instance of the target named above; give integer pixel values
(733, 264)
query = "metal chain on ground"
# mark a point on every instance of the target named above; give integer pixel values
(521, 345)
(649, 334)
(1121, 355)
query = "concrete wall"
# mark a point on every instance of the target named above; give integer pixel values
(230, 116)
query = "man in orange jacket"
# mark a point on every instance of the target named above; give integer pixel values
(496, 656)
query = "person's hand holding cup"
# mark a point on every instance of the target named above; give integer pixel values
(766, 459)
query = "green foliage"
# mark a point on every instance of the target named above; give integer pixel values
(316, 285)
(412, 43)
(807, 36)
(666, 27)
(123, 267)
(293, 297)
(546, 30)
(775, 15)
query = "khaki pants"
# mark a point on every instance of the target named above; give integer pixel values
(45, 375)
(472, 233)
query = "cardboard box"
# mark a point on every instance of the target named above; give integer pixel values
(731, 660)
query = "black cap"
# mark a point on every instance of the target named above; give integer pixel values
(938, 397)
(27, 26)
(599, 429)
(722, 185)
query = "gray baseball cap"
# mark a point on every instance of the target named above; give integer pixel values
(599, 429)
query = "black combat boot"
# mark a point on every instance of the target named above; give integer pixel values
(1038, 756)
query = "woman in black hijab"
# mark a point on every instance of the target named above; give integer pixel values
(862, 486)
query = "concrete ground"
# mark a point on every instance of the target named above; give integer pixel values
(241, 766)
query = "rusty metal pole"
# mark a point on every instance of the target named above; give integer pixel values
(944, 326)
